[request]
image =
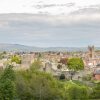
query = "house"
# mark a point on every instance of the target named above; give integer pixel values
(96, 73)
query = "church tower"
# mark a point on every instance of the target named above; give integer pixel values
(91, 52)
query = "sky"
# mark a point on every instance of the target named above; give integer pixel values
(50, 23)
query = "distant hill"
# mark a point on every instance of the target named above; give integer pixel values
(15, 47)
(23, 48)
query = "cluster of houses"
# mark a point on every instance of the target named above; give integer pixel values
(55, 62)
(92, 62)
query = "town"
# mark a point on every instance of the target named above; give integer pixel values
(56, 62)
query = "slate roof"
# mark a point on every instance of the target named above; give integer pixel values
(97, 72)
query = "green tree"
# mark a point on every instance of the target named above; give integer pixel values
(76, 92)
(16, 59)
(37, 86)
(36, 65)
(75, 64)
(96, 92)
(7, 84)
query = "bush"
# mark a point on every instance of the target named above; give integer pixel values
(96, 92)
(76, 92)
(87, 77)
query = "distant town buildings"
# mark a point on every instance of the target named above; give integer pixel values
(56, 62)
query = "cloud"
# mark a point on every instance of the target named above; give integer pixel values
(50, 22)
(47, 30)
(42, 6)
(53, 20)
(3, 24)
(51, 7)
(92, 9)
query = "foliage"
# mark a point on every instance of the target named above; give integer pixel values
(96, 92)
(16, 59)
(33, 84)
(87, 77)
(36, 65)
(63, 61)
(2, 55)
(75, 64)
(76, 92)
(37, 86)
(7, 85)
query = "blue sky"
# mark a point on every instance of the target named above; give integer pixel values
(50, 24)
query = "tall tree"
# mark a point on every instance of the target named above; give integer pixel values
(7, 85)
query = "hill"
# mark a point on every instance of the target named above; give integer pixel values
(23, 48)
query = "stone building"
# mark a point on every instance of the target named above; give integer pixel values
(91, 58)
(27, 59)
(96, 72)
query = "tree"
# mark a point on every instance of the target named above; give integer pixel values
(75, 64)
(7, 85)
(16, 59)
(63, 61)
(76, 92)
(96, 92)
(37, 86)
(36, 65)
